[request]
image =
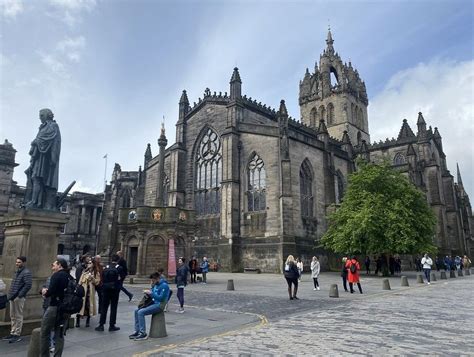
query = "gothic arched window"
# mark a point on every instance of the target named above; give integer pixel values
(330, 114)
(322, 112)
(399, 159)
(125, 201)
(313, 115)
(256, 193)
(208, 174)
(306, 190)
(339, 186)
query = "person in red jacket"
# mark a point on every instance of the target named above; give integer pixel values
(353, 268)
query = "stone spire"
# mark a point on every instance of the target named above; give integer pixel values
(162, 142)
(364, 151)
(346, 144)
(323, 134)
(235, 85)
(437, 138)
(421, 124)
(283, 123)
(405, 131)
(329, 42)
(183, 106)
(148, 155)
(322, 129)
(459, 175)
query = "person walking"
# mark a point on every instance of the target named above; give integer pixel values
(299, 265)
(315, 268)
(122, 262)
(204, 269)
(20, 285)
(344, 274)
(111, 290)
(291, 275)
(353, 269)
(427, 262)
(89, 279)
(193, 265)
(159, 293)
(181, 281)
(52, 321)
(466, 262)
(367, 265)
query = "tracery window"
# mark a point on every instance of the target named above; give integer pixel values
(208, 174)
(339, 187)
(313, 115)
(330, 114)
(399, 159)
(256, 193)
(306, 190)
(125, 201)
(322, 112)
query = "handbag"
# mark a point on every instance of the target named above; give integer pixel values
(146, 301)
(3, 301)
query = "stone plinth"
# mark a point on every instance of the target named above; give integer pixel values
(34, 234)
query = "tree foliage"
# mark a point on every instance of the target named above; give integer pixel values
(382, 212)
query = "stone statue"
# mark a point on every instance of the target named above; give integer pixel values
(42, 174)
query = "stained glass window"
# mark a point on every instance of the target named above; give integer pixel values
(306, 190)
(256, 184)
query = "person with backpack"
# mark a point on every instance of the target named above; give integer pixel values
(353, 268)
(53, 319)
(110, 293)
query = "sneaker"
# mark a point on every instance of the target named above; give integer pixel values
(166, 308)
(133, 335)
(318, 288)
(141, 336)
(180, 311)
(429, 283)
(14, 339)
(51, 350)
(315, 289)
(6, 338)
(100, 328)
(114, 328)
(130, 297)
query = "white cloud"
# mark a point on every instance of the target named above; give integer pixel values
(71, 48)
(69, 11)
(11, 8)
(80, 187)
(441, 89)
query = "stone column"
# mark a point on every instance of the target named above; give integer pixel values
(83, 220)
(141, 253)
(34, 234)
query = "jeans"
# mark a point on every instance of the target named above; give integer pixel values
(109, 297)
(140, 316)
(180, 296)
(315, 281)
(427, 274)
(204, 277)
(49, 323)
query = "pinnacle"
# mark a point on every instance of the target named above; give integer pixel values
(421, 120)
(235, 76)
(322, 129)
(184, 98)
(283, 110)
(405, 131)
(345, 138)
(459, 174)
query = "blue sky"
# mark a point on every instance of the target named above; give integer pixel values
(110, 70)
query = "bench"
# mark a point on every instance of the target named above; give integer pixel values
(252, 270)
(158, 323)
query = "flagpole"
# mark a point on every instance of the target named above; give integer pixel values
(102, 210)
(105, 172)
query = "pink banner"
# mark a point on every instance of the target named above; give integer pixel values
(171, 259)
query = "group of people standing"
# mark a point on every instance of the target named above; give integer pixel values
(293, 270)
(350, 272)
(449, 263)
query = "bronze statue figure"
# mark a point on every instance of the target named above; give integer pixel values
(42, 174)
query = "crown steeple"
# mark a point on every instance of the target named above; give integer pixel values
(235, 85)
(329, 42)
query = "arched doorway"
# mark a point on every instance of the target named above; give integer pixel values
(132, 255)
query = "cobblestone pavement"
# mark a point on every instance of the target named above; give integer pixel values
(420, 320)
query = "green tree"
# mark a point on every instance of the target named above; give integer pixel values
(382, 212)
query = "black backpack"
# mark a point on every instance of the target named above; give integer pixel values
(111, 277)
(73, 298)
(353, 268)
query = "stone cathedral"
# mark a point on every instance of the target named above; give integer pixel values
(245, 184)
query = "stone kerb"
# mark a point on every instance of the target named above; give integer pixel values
(443, 275)
(333, 291)
(385, 284)
(404, 281)
(34, 345)
(460, 273)
(230, 284)
(433, 276)
(452, 274)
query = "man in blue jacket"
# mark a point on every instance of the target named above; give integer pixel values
(159, 292)
(21, 284)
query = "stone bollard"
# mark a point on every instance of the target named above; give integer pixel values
(385, 284)
(131, 280)
(433, 277)
(460, 273)
(452, 274)
(34, 346)
(443, 275)
(333, 291)
(405, 281)
(158, 325)
(419, 279)
(230, 284)
(468, 271)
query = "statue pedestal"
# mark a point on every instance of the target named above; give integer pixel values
(33, 234)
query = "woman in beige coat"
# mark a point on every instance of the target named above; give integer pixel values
(90, 278)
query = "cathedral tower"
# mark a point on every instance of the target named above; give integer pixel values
(335, 93)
